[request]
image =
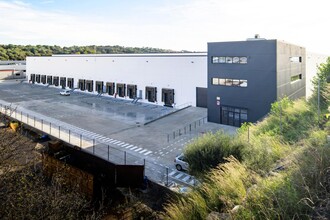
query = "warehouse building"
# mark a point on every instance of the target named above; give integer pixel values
(12, 70)
(245, 77)
(174, 80)
(236, 81)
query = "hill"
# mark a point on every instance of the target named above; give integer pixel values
(20, 52)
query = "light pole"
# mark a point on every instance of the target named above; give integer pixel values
(318, 101)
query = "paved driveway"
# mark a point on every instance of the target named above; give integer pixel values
(144, 131)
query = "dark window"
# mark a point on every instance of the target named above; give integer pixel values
(233, 116)
(229, 82)
(229, 59)
(296, 78)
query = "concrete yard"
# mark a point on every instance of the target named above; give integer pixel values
(144, 130)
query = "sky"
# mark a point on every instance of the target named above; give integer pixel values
(167, 24)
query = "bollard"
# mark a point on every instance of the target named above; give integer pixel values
(59, 132)
(93, 146)
(80, 140)
(168, 138)
(108, 152)
(167, 176)
(27, 118)
(125, 157)
(42, 125)
(50, 128)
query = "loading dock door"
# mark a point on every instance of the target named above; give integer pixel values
(50, 80)
(70, 83)
(56, 80)
(151, 94)
(38, 78)
(121, 89)
(43, 79)
(168, 97)
(131, 91)
(81, 84)
(89, 85)
(63, 82)
(99, 86)
(201, 97)
(110, 88)
(33, 78)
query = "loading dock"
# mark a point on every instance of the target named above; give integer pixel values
(151, 94)
(131, 91)
(121, 89)
(110, 88)
(168, 97)
(81, 84)
(99, 86)
(49, 80)
(43, 79)
(38, 78)
(63, 82)
(56, 80)
(33, 78)
(89, 85)
(71, 83)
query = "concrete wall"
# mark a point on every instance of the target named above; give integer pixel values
(12, 71)
(181, 72)
(260, 71)
(291, 61)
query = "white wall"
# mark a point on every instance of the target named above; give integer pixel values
(10, 71)
(181, 72)
(312, 63)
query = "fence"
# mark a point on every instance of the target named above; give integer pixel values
(186, 129)
(154, 171)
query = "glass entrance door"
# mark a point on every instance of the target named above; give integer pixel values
(233, 116)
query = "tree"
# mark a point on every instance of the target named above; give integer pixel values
(321, 87)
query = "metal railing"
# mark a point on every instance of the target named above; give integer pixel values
(187, 129)
(154, 171)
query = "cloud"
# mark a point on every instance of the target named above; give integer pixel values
(21, 3)
(184, 25)
(47, 2)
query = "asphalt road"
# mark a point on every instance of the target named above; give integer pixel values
(144, 131)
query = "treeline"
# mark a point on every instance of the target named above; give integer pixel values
(20, 52)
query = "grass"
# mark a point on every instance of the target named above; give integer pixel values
(248, 178)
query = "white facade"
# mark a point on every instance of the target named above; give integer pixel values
(182, 72)
(12, 70)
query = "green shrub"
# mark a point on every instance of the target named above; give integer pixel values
(263, 152)
(274, 198)
(292, 124)
(210, 150)
(187, 208)
(225, 186)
